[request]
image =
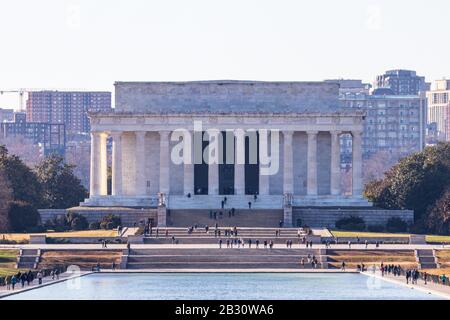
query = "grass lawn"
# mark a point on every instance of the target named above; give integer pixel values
(432, 238)
(438, 272)
(84, 233)
(82, 258)
(68, 234)
(361, 234)
(8, 260)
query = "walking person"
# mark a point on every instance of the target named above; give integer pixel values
(8, 282)
(13, 282)
(39, 276)
(23, 278)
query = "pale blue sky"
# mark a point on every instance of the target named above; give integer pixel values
(89, 44)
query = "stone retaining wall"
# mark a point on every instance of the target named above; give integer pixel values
(323, 217)
(129, 216)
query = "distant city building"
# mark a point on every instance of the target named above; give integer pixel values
(66, 107)
(349, 86)
(50, 136)
(393, 123)
(402, 82)
(6, 115)
(439, 109)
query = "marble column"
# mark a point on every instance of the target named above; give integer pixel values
(213, 166)
(94, 188)
(288, 170)
(239, 162)
(357, 164)
(335, 182)
(164, 162)
(311, 187)
(116, 188)
(188, 168)
(263, 179)
(141, 180)
(103, 178)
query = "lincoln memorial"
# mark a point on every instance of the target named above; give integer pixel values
(286, 135)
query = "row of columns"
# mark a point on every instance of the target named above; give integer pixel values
(98, 172)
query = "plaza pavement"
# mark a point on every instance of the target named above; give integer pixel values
(45, 282)
(215, 246)
(430, 287)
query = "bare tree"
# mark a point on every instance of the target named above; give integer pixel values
(5, 198)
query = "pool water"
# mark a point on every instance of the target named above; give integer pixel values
(217, 286)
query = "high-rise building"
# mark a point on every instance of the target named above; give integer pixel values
(50, 136)
(439, 109)
(6, 115)
(393, 123)
(401, 82)
(67, 107)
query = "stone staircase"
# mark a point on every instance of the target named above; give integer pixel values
(426, 259)
(243, 217)
(244, 258)
(28, 258)
(200, 236)
(213, 202)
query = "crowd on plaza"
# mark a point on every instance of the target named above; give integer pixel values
(22, 279)
(412, 275)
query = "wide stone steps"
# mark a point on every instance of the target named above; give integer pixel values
(426, 258)
(223, 251)
(219, 265)
(28, 258)
(225, 258)
(233, 201)
(241, 218)
(239, 234)
(217, 258)
(213, 240)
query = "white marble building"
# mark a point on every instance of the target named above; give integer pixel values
(146, 114)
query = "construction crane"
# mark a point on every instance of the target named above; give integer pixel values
(21, 93)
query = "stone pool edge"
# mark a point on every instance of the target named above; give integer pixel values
(335, 271)
(37, 286)
(414, 287)
(235, 270)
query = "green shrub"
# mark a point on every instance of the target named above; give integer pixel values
(22, 216)
(79, 223)
(110, 221)
(57, 223)
(351, 223)
(376, 228)
(396, 225)
(94, 225)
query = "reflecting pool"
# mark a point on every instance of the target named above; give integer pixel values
(233, 286)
